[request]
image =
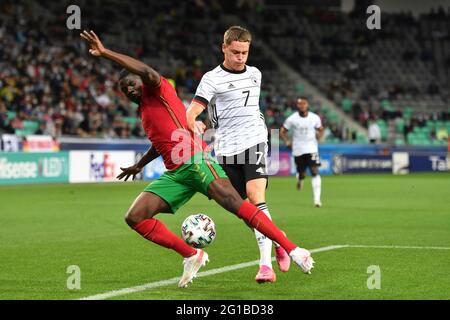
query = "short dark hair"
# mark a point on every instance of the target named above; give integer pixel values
(123, 74)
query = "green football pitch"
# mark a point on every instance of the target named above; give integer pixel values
(376, 237)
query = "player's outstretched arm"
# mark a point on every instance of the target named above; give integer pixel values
(284, 136)
(148, 157)
(194, 110)
(148, 75)
(319, 133)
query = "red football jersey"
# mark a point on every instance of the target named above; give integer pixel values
(163, 117)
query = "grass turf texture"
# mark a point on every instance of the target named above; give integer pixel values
(46, 228)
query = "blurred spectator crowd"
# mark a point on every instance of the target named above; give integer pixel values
(50, 85)
(397, 77)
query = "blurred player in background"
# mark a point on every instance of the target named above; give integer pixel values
(231, 93)
(190, 168)
(307, 130)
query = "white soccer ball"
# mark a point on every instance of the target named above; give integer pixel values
(198, 230)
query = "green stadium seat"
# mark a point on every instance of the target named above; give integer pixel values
(436, 142)
(264, 94)
(325, 110)
(447, 125)
(346, 105)
(407, 112)
(361, 138)
(420, 139)
(130, 120)
(439, 124)
(381, 123)
(384, 133)
(23, 133)
(399, 125)
(425, 131)
(383, 129)
(332, 140)
(30, 125)
(411, 138)
(386, 104)
(333, 117)
(431, 124)
(421, 135)
(20, 133)
(300, 88)
(11, 115)
(417, 130)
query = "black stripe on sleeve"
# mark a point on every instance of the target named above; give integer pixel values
(201, 100)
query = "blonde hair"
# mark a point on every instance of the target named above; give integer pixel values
(236, 33)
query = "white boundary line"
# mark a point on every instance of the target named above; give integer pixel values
(162, 283)
(396, 247)
(167, 282)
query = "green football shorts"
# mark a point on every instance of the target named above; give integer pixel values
(178, 186)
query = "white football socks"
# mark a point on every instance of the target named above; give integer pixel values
(264, 243)
(316, 186)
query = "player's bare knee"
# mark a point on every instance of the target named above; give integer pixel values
(255, 197)
(252, 194)
(133, 217)
(129, 219)
(256, 190)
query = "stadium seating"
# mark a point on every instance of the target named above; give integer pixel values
(403, 67)
(370, 75)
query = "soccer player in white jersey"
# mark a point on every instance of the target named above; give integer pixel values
(306, 128)
(231, 92)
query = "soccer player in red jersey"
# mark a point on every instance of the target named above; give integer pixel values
(191, 168)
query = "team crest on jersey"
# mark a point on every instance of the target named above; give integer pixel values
(254, 80)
